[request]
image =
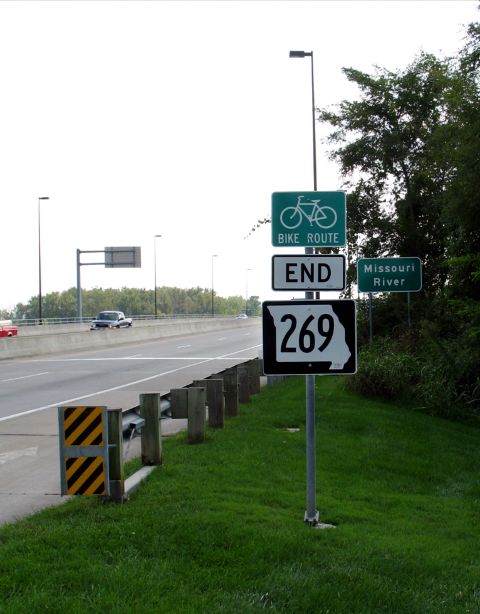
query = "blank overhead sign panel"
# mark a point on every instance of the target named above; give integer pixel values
(123, 257)
(308, 272)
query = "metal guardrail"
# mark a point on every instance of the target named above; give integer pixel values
(132, 421)
(74, 320)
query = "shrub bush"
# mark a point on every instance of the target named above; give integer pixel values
(385, 370)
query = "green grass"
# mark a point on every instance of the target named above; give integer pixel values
(219, 527)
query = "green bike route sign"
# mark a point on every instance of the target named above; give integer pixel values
(309, 219)
(389, 274)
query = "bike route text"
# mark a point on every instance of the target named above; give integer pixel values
(310, 238)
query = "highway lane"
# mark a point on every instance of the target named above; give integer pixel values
(32, 389)
(116, 376)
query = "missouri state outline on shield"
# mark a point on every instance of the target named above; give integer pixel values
(289, 333)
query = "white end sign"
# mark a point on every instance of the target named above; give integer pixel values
(308, 272)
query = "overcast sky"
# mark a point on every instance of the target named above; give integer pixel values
(179, 119)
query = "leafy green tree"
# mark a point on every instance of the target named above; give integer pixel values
(387, 146)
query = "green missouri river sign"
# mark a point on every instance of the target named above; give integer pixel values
(389, 274)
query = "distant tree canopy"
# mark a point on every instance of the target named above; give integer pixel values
(134, 301)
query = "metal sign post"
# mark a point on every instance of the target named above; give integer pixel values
(114, 257)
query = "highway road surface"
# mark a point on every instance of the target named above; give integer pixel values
(31, 390)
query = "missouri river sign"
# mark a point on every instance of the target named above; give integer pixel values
(389, 274)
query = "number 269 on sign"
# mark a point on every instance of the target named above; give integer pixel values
(309, 337)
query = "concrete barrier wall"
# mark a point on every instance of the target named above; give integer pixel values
(50, 343)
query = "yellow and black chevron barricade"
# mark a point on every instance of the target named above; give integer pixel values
(84, 450)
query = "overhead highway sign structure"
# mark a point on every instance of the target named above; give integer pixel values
(389, 274)
(308, 272)
(309, 337)
(309, 219)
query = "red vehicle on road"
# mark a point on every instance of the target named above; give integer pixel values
(7, 329)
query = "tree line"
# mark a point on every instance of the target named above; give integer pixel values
(134, 302)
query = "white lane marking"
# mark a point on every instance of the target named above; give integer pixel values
(133, 356)
(14, 379)
(253, 347)
(139, 381)
(221, 339)
(113, 358)
(182, 347)
(16, 454)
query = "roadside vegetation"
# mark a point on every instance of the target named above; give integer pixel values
(134, 301)
(409, 151)
(219, 526)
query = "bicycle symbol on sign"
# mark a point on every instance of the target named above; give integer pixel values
(323, 216)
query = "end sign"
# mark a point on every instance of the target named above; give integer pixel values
(308, 272)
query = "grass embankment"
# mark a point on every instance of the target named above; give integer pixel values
(219, 527)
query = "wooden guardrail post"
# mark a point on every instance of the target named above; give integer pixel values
(196, 415)
(190, 403)
(215, 401)
(115, 456)
(151, 436)
(253, 376)
(243, 388)
(230, 386)
(179, 403)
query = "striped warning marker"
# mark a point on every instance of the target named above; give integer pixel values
(84, 450)
(83, 426)
(85, 475)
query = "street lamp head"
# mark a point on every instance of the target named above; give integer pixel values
(300, 54)
(44, 198)
(157, 236)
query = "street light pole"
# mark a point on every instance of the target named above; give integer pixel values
(311, 513)
(40, 261)
(155, 237)
(304, 54)
(213, 309)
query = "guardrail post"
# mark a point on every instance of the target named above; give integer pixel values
(253, 376)
(179, 403)
(230, 384)
(196, 415)
(115, 456)
(215, 401)
(151, 436)
(243, 388)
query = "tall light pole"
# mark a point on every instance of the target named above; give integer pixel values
(246, 292)
(155, 237)
(40, 261)
(213, 309)
(311, 513)
(305, 54)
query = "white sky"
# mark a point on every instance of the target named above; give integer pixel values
(180, 119)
